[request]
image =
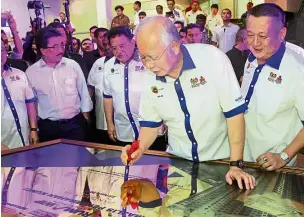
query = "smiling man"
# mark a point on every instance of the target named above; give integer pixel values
(203, 108)
(273, 87)
(64, 102)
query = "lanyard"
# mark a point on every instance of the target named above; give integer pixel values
(13, 109)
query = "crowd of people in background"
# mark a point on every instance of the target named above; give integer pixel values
(91, 89)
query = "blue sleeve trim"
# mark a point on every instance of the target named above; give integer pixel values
(152, 204)
(107, 96)
(91, 86)
(34, 99)
(150, 124)
(303, 123)
(236, 111)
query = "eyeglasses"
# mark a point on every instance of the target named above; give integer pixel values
(149, 59)
(57, 46)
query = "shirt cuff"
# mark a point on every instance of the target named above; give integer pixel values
(91, 86)
(150, 124)
(107, 96)
(34, 99)
(236, 111)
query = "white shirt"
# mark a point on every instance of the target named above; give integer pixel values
(194, 106)
(179, 16)
(61, 91)
(274, 94)
(136, 17)
(21, 93)
(123, 83)
(225, 36)
(191, 17)
(95, 81)
(213, 21)
(299, 50)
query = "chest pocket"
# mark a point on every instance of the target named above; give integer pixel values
(69, 86)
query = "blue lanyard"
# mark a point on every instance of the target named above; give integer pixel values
(6, 185)
(13, 109)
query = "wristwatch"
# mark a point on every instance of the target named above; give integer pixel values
(239, 164)
(284, 156)
(34, 129)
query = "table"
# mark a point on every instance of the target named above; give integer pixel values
(72, 178)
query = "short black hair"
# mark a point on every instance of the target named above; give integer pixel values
(201, 16)
(138, 3)
(159, 6)
(2, 32)
(120, 30)
(183, 29)
(214, 6)
(56, 20)
(249, 3)
(98, 30)
(269, 10)
(78, 40)
(56, 25)
(93, 27)
(119, 7)
(193, 25)
(62, 13)
(171, 1)
(142, 13)
(86, 39)
(43, 35)
(227, 9)
(179, 22)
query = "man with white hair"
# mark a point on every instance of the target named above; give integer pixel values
(202, 107)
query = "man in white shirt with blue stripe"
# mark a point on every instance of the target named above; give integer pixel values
(202, 107)
(123, 85)
(273, 87)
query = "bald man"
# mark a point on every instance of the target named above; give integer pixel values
(202, 107)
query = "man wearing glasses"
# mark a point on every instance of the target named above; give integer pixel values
(202, 107)
(123, 84)
(63, 98)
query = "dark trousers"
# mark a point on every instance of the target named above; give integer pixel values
(159, 144)
(75, 128)
(102, 137)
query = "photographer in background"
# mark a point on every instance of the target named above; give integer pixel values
(18, 49)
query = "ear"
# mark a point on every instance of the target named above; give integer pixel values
(175, 46)
(43, 51)
(283, 33)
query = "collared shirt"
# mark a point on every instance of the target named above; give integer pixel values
(191, 17)
(21, 93)
(61, 91)
(123, 83)
(274, 94)
(120, 21)
(299, 50)
(136, 17)
(213, 21)
(95, 81)
(179, 16)
(195, 105)
(225, 36)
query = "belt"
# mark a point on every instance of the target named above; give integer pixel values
(63, 121)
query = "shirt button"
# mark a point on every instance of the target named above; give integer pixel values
(13, 109)
(126, 101)
(16, 119)
(9, 98)
(194, 143)
(128, 112)
(19, 129)
(5, 88)
(187, 115)
(246, 101)
(132, 122)
(258, 70)
(189, 131)
(176, 82)
(182, 98)
(126, 89)
(194, 157)
(251, 86)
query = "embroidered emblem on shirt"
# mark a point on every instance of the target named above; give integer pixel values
(13, 78)
(248, 66)
(99, 68)
(195, 82)
(17, 78)
(154, 89)
(139, 68)
(274, 79)
(279, 80)
(112, 70)
(202, 80)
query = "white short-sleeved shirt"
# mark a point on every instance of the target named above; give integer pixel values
(191, 17)
(213, 21)
(274, 93)
(225, 36)
(195, 105)
(20, 93)
(179, 16)
(123, 83)
(62, 91)
(95, 81)
(299, 50)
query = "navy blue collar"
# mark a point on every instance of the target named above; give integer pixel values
(275, 60)
(187, 64)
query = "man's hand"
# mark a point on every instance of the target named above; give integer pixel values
(136, 155)
(238, 174)
(34, 138)
(138, 190)
(270, 161)
(12, 23)
(112, 132)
